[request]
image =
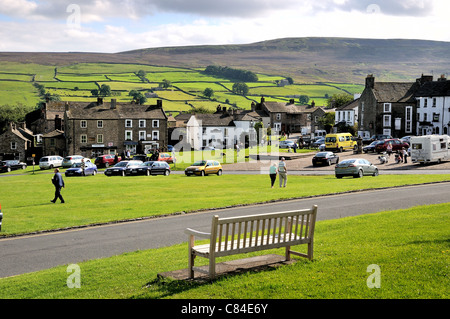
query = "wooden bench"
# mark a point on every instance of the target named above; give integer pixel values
(239, 235)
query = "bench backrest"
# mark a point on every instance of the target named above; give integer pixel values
(262, 231)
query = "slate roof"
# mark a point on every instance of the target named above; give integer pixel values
(55, 133)
(280, 107)
(349, 106)
(395, 92)
(217, 119)
(435, 88)
(93, 111)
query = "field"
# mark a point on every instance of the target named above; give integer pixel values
(409, 246)
(74, 83)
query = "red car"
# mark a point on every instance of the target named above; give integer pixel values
(105, 161)
(397, 145)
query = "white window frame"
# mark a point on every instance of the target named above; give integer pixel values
(278, 116)
(83, 124)
(83, 139)
(387, 121)
(153, 135)
(155, 123)
(99, 123)
(387, 131)
(142, 123)
(387, 108)
(128, 135)
(408, 119)
(142, 135)
(128, 123)
(434, 102)
(13, 145)
(99, 138)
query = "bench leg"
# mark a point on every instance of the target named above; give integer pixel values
(288, 253)
(191, 265)
(212, 267)
(310, 251)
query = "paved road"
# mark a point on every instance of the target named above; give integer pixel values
(31, 253)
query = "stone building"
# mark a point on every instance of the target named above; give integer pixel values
(389, 108)
(16, 143)
(97, 128)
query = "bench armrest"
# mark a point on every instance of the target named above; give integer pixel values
(193, 232)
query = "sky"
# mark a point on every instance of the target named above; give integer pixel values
(111, 26)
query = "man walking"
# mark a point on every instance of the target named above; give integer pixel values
(282, 170)
(58, 182)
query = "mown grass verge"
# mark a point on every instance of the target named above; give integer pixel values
(26, 205)
(410, 247)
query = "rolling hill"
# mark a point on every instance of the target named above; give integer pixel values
(307, 60)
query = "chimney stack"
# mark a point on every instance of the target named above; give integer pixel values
(99, 101)
(159, 103)
(113, 104)
(370, 81)
(58, 123)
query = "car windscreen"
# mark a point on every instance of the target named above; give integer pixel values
(199, 163)
(121, 164)
(44, 159)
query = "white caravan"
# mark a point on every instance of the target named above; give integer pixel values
(430, 148)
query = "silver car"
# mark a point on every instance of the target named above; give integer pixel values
(356, 167)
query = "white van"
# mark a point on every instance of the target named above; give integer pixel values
(430, 148)
(52, 161)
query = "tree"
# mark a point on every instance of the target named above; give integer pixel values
(94, 92)
(138, 97)
(165, 84)
(337, 100)
(12, 113)
(240, 88)
(290, 80)
(327, 120)
(303, 99)
(105, 90)
(208, 92)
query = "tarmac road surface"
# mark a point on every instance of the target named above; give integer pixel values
(25, 254)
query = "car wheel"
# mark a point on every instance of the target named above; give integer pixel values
(219, 172)
(24, 167)
(51, 166)
(375, 173)
(106, 165)
(166, 173)
(203, 173)
(123, 173)
(8, 169)
(339, 176)
(341, 149)
(147, 173)
(360, 174)
(329, 162)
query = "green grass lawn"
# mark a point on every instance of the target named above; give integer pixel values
(101, 199)
(410, 247)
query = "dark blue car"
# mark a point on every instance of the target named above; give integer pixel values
(75, 169)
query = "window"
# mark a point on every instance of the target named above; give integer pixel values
(142, 135)
(425, 102)
(142, 123)
(155, 123)
(408, 119)
(434, 102)
(155, 135)
(387, 108)
(387, 121)
(398, 124)
(100, 124)
(278, 116)
(52, 142)
(425, 117)
(83, 124)
(128, 123)
(13, 145)
(436, 117)
(128, 135)
(100, 138)
(83, 139)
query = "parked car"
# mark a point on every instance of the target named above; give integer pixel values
(286, 144)
(68, 161)
(318, 142)
(406, 139)
(325, 158)
(49, 162)
(75, 170)
(170, 148)
(356, 167)
(9, 165)
(339, 142)
(379, 137)
(105, 160)
(120, 168)
(204, 168)
(371, 147)
(141, 157)
(149, 168)
(166, 157)
(397, 145)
